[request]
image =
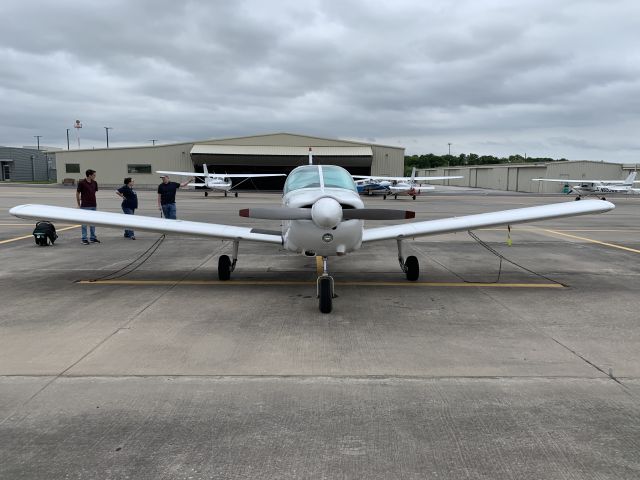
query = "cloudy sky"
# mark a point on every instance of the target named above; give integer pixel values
(536, 77)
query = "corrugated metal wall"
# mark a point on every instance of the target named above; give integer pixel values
(25, 164)
(518, 177)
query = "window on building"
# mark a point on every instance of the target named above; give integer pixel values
(138, 168)
(72, 167)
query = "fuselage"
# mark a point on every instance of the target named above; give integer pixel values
(327, 190)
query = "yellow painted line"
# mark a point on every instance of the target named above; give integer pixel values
(612, 245)
(319, 265)
(345, 283)
(31, 236)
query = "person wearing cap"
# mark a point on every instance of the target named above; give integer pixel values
(167, 196)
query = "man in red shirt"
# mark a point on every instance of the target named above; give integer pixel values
(86, 198)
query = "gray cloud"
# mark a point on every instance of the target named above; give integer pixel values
(550, 78)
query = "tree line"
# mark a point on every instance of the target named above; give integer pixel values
(430, 160)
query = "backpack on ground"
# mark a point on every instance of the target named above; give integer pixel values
(45, 234)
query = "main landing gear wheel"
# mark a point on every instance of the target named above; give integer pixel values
(412, 268)
(578, 198)
(603, 198)
(224, 267)
(206, 194)
(395, 197)
(325, 295)
(414, 197)
(236, 194)
(384, 197)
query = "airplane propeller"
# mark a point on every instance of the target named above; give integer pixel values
(326, 213)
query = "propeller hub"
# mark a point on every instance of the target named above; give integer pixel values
(326, 213)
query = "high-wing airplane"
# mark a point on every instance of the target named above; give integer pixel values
(399, 185)
(218, 181)
(597, 187)
(321, 215)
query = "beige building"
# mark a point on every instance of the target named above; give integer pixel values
(272, 153)
(519, 177)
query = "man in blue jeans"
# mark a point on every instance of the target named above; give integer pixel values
(167, 196)
(86, 199)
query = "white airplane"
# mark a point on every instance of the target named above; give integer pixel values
(217, 181)
(399, 185)
(321, 215)
(597, 187)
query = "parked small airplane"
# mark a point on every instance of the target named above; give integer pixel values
(399, 185)
(321, 215)
(217, 181)
(597, 187)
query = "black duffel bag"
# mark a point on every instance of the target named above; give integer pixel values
(45, 233)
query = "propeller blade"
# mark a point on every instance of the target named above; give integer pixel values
(376, 214)
(277, 213)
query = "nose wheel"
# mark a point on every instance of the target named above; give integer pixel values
(325, 289)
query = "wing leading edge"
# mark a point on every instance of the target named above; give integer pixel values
(140, 222)
(484, 220)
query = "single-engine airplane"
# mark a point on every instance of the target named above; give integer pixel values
(218, 181)
(597, 187)
(399, 185)
(322, 215)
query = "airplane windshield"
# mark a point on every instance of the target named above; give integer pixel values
(309, 177)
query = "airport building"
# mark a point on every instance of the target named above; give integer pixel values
(25, 165)
(518, 177)
(271, 153)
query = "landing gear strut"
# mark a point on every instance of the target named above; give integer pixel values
(227, 265)
(410, 266)
(325, 289)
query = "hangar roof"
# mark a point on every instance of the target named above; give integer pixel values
(263, 150)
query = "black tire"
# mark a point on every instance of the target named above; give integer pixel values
(395, 197)
(325, 301)
(224, 267)
(225, 194)
(236, 194)
(206, 194)
(412, 268)
(603, 198)
(384, 197)
(577, 198)
(414, 197)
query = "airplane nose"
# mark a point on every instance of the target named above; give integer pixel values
(326, 213)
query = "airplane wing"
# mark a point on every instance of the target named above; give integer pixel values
(223, 175)
(484, 220)
(406, 179)
(565, 180)
(140, 222)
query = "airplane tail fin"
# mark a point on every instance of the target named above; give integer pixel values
(205, 171)
(413, 175)
(630, 179)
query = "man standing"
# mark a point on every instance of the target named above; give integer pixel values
(86, 198)
(167, 196)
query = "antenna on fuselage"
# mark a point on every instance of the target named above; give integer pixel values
(310, 156)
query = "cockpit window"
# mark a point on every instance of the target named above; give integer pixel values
(309, 177)
(337, 177)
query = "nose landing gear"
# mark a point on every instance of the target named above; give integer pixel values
(325, 290)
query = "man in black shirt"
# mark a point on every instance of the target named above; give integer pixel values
(167, 196)
(86, 199)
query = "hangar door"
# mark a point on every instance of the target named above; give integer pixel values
(276, 159)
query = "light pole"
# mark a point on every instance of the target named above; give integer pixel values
(449, 148)
(68, 138)
(153, 140)
(106, 129)
(38, 138)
